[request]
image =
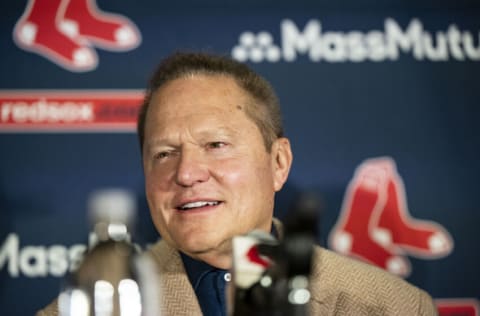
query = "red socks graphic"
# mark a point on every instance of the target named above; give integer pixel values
(420, 238)
(38, 31)
(63, 30)
(109, 31)
(375, 225)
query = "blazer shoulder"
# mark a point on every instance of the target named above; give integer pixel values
(166, 257)
(49, 310)
(348, 283)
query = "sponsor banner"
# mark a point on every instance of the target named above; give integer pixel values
(36, 261)
(319, 43)
(41, 261)
(69, 110)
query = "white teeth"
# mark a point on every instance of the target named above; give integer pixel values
(197, 204)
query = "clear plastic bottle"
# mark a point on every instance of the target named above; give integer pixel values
(114, 278)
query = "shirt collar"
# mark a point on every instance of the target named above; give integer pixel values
(196, 269)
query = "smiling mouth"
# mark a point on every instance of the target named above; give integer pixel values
(197, 205)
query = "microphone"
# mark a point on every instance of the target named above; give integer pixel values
(270, 276)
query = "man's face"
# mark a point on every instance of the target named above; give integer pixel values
(208, 175)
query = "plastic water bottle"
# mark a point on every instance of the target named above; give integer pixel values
(115, 278)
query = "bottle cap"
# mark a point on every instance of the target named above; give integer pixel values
(112, 212)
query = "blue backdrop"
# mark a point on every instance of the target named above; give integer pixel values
(355, 81)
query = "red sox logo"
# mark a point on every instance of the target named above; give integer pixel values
(254, 257)
(64, 31)
(375, 224)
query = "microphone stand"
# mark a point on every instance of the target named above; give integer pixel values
(282, 288)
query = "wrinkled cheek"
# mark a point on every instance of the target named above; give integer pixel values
(156, 201)
(160, 220)
(155, 180)
(235, 173)
(233, 178)
(150, 195)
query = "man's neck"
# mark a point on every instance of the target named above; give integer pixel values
(219, 259)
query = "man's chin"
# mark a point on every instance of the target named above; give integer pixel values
(208, 252)
(196, 250)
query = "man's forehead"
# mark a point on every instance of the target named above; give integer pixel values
(219, 100)
(191, 80)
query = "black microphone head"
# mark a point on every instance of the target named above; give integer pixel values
(304, 214)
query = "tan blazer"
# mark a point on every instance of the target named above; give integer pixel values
(340, 286)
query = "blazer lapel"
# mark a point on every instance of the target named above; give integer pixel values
(177, 295)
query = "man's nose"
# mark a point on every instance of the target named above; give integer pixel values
(192, 168)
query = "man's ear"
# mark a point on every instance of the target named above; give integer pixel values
(281, 161)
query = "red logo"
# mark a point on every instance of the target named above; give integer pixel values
(254, 256)
(76, 111)
(64, 31)
(457, 307)
(375, 224)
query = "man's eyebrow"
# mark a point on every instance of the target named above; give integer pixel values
(206, 133)
(156, 143)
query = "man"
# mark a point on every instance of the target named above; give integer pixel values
(214, 155)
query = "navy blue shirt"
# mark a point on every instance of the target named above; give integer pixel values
(209, 285)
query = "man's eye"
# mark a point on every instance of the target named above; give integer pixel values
(216, 145)
(161, 155)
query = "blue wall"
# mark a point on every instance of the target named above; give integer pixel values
(339, 111)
